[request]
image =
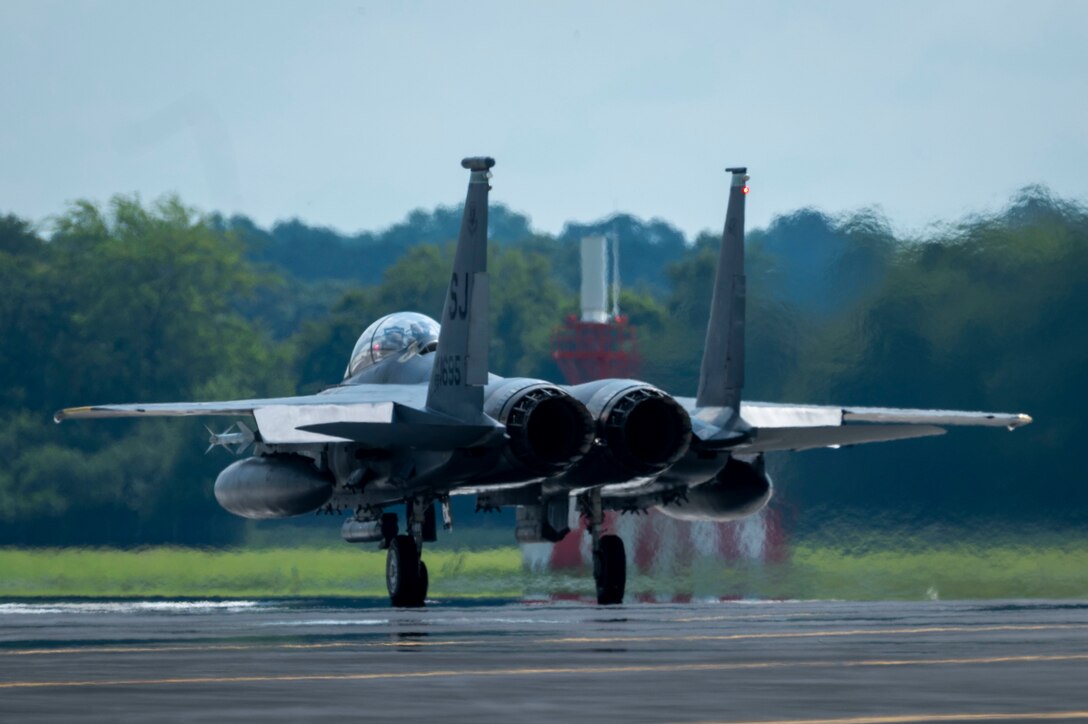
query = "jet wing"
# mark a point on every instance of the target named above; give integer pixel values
(230, 408)
(408, 395)
(279, 419)
(378, 415)
(779, 427)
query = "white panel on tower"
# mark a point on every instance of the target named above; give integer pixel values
(594, 280)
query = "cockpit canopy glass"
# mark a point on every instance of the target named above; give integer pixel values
(403, 334)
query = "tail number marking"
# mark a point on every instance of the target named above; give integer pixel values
(447, 371)
(460, 293)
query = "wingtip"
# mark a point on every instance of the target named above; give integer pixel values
(61, 415)
(69, 412)
(1021, 420)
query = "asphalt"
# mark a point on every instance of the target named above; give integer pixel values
(322, 660)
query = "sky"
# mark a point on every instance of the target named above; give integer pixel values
(352, 114)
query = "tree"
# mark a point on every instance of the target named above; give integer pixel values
(987, 315)
(131, 303)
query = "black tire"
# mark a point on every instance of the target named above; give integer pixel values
(424, 581)
(610, 570)
(402, 573)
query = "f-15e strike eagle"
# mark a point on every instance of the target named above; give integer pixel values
(418, 418)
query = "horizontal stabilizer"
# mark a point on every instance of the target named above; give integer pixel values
(807, 438)
(417, 435)
(288, 424)
(774, 426)
(379, 424)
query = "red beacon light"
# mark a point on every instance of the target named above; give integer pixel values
(740, 173)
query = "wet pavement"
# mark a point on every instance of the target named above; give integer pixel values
(306, 660)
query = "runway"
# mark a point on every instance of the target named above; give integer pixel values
(309, 660)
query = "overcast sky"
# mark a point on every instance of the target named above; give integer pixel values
(351, 114)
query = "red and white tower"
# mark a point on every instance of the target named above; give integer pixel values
(601, 344)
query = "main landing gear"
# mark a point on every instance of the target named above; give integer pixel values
(609, 557)
(405, 572)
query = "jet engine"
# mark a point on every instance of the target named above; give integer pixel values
(547, 429)
(274, 486)
(739, 490)
(642, 431)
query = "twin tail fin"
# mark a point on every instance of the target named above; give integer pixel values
(721, 377)
(460, 365)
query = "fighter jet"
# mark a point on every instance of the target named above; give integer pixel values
(418, 418)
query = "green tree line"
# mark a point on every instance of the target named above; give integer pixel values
(156, 302)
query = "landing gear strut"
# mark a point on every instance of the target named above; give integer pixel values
(405, 573)
(609, 557)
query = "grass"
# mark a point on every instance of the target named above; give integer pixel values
(946, 572)
(813, 571)
(266, 572)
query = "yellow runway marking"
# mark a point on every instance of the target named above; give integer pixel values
(741, 617)
(190, 648)
(901, 718)
(420, 643)
(540, 671)
(819, 634)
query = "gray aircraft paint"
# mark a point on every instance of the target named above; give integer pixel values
(721, 376)
(353, 405)
(460, 362)
(422, 425)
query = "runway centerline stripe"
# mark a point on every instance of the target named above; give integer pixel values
(541, 671)
(491, 641)
(901, 718)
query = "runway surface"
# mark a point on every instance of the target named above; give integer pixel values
(310, 660)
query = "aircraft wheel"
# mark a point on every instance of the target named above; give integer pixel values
(610, 570)
(403, 573)
(424, 581)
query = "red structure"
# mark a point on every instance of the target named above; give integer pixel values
(587, 351)
(602, 345)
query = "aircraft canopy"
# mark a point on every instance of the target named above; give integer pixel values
(404, 334)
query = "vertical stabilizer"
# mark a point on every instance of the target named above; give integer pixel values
(460, 363)
(721, 377)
